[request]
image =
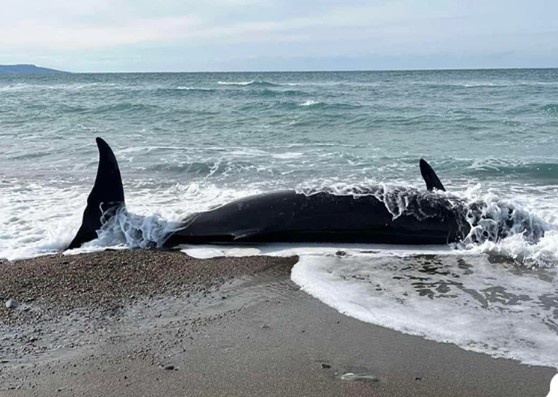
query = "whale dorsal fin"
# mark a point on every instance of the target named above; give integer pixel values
(430, 177)
(107, 193)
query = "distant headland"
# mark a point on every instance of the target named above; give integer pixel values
(27, 69)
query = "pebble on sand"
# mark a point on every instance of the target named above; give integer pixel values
(360, 377)
(11, 304)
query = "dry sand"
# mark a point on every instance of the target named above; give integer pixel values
(158, 323)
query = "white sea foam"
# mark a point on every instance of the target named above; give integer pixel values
(310, 102)
(248, 83)
(284, 250)
(472, 300)
(240, 83)
(22, 87)
(37, 219)
(288, 155)
(553, 392)
(479, 306)
(187, 88)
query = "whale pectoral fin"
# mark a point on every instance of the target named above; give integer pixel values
(430, 177)
(107, 194)
(245, 234)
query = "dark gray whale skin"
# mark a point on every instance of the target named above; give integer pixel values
(323, 217)
(289, 217)
(428, 217)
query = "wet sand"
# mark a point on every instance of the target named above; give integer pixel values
(156, 323)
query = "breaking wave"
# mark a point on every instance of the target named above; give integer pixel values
(251, 83)
(135, 231)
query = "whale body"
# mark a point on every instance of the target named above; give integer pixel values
(376, 214)
(322, 217)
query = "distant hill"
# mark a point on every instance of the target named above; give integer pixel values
(27, 69)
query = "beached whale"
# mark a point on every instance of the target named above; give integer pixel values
(375, 214)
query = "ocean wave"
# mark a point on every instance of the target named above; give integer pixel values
(251, 83)
(483, 84)
(125, 107)
(311, 102)
(23, 87)
(551, 109)
(287, 155)
(205, 169)
(534, 170)
(186, 88)
(183, 90)
(274, 92)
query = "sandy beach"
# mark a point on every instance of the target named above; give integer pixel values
(159, 323)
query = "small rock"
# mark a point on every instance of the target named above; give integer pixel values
(360, 377)
(12, 304)
(326, 366)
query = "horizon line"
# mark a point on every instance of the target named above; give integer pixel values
(326, 70)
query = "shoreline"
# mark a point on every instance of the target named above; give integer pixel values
(130, 323)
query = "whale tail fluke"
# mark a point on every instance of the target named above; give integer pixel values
(107, 194)
(430, 177)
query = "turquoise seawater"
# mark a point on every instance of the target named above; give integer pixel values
(290, 127)
(189, 141)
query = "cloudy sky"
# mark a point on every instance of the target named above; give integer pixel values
(232, 35)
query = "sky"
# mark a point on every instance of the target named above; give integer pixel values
(260, 35)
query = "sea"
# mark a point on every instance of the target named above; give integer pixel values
(187, 142)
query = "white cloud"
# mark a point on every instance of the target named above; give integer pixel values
(72, 25)
(66, 25)
(38, 34)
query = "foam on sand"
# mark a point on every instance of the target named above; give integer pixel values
(497, 309)
(553, 392)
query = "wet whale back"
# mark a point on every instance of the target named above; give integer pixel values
(324, 217)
